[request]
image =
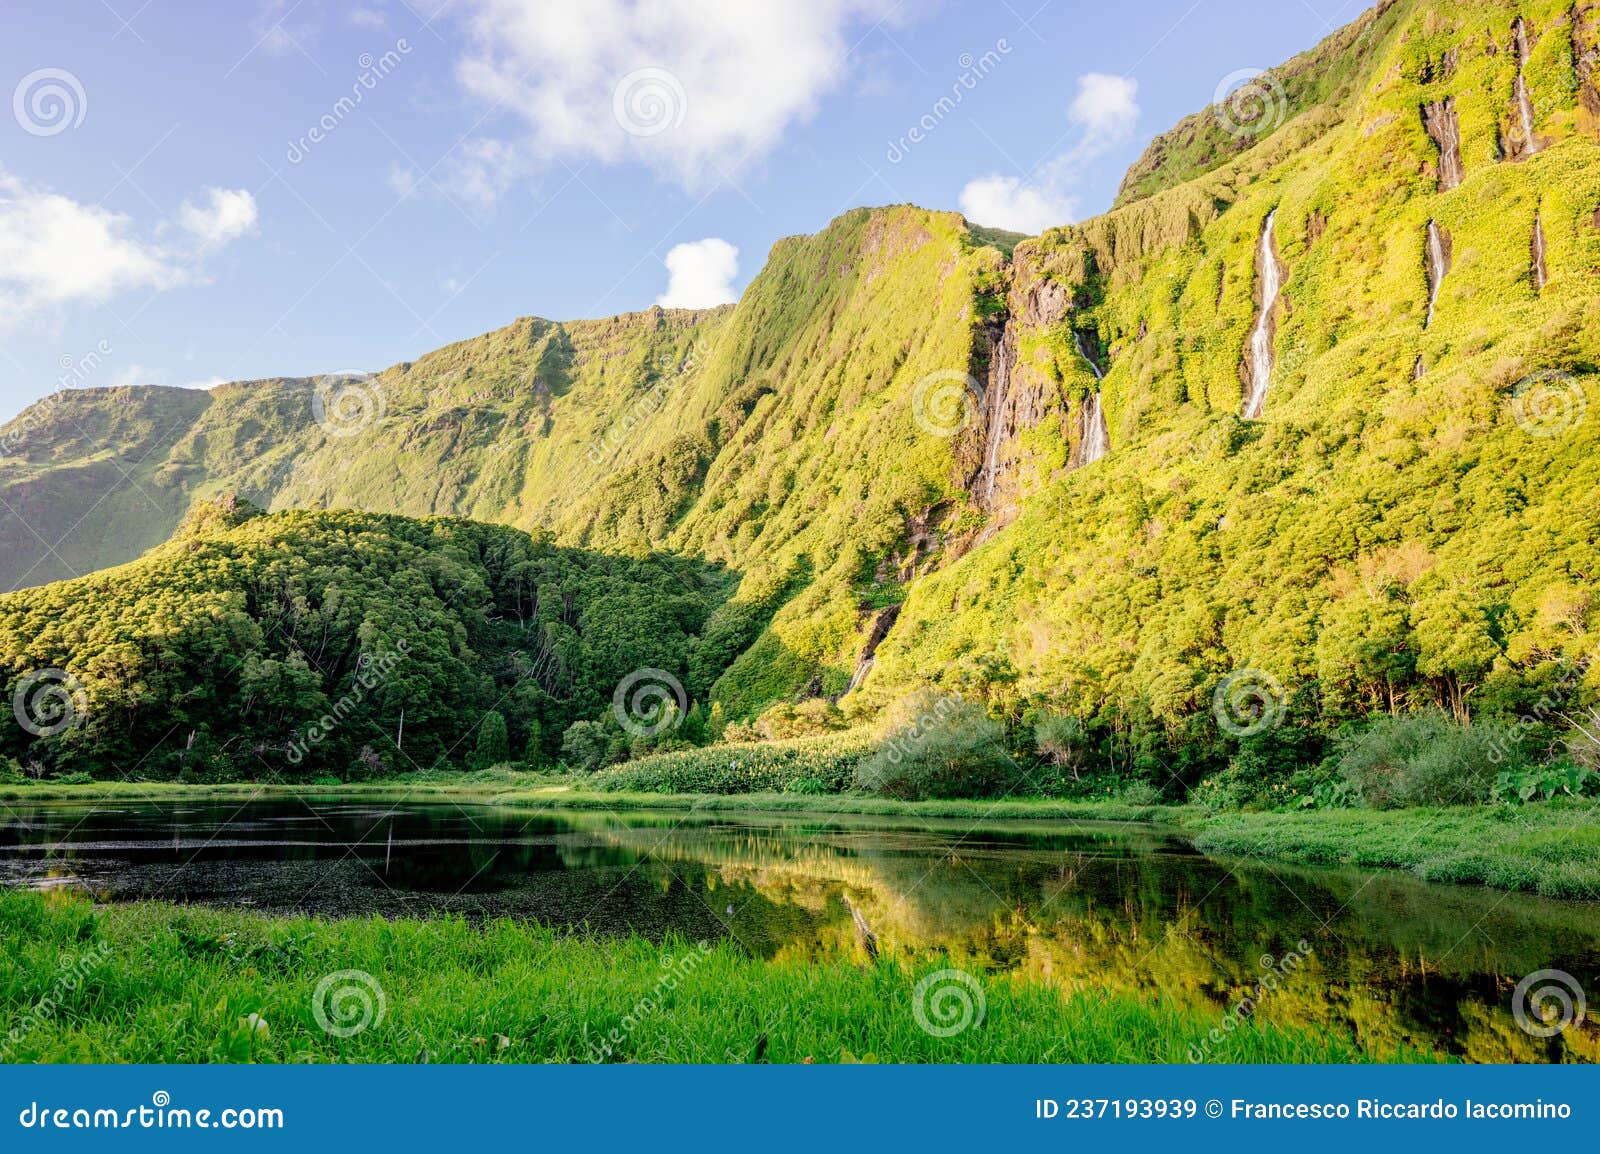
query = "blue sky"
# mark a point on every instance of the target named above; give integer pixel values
(169, 216)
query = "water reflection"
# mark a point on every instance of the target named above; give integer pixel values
(1098, 907)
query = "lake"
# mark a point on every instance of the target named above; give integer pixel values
(1097, 906)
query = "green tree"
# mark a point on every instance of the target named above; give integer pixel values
(533, 753)
(494, 747)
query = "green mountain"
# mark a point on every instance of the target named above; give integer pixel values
(1085, 471)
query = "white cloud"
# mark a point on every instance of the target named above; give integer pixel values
(700, 274)
(1103, 115)
(1106, 107)
(228, 214)
(55, 251)
(685, 86)
(1006, 202)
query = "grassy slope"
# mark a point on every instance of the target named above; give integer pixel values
(1368, 511)
(181, 985)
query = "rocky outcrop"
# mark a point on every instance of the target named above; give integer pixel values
(1439, 119)
(1519, 140)
(1437, 256)
(1016, 397)
(1586, 64)
(880, 623)
(1541, 272)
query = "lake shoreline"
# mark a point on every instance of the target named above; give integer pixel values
(1550, 849)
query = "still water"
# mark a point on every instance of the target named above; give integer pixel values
(1124, 908)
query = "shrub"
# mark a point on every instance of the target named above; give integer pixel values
(940, 746)
(802, 765)
(1426, 759)
(810, 718)
(1061, 740)
(585, 745)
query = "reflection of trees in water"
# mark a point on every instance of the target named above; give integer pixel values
(1399, 964)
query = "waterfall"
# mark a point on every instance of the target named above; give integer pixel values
(1529, 144)
(1440, 122)
(1093, 438)
(1540, 274)
(1261, 335)
(1438, 265)
(1077, 340)
(994, 401)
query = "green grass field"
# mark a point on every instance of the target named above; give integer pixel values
(155, 983)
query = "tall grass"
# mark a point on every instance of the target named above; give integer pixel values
(193, 985)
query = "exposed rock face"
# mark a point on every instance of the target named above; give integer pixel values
(1586, 63)
(1016, 396)
(1541, 273)
(882, 621)
(1255, 370)
(1437, 255)
(1521, 141)
(1439, 118)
